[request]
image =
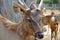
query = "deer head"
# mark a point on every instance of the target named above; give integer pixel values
(32, 13)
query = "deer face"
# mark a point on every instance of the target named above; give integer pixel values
(33, 14)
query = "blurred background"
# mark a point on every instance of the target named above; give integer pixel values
(6, 9)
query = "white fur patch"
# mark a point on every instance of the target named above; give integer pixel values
(52, 19)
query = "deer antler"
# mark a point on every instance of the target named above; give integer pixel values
(40, 4)
(33, 6)
(21, 2)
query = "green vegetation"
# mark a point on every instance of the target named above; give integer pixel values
(38, 1)
(55, 1)
(48, 1)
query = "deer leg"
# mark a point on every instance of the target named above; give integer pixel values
(51, 35)
(55, 35)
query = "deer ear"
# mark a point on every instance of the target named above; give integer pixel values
(19, 7)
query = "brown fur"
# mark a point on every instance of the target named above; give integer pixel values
(46, 19)
(17, 27)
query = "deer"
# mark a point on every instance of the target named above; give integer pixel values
(54, 26)
(53, 21)
(30, 25)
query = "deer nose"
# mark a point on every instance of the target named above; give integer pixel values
(39, 35)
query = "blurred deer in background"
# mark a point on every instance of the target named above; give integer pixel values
(54, 27)
(30, 25)
(54, 24)
(53, 21)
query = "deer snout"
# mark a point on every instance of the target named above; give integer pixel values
(39, 35)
